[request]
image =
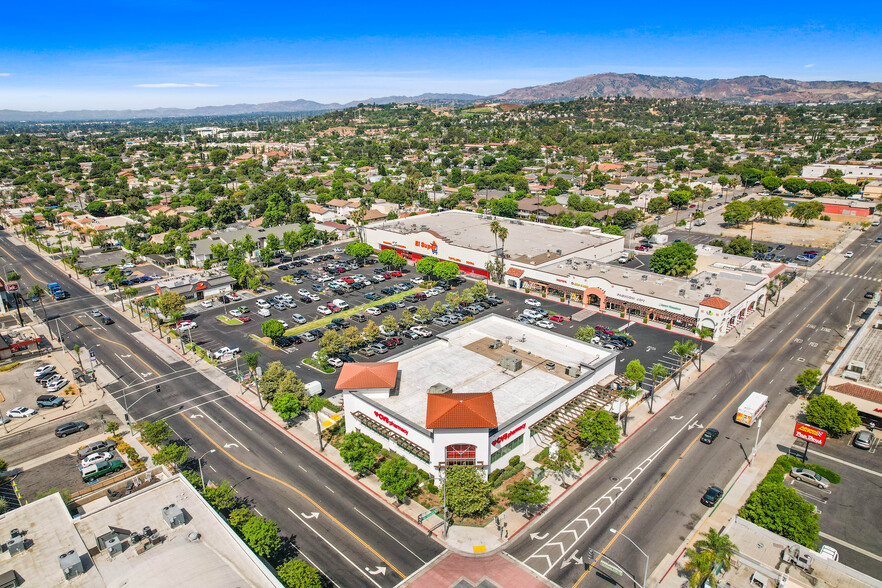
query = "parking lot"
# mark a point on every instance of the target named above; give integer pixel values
(781, 251)
(40, 440)
(652, 344)
(848, 520)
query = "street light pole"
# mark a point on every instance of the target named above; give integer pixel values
(850, 316)
(759, 424)
(646, 567)
(202, 477)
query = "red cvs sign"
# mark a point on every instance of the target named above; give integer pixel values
(810, 434)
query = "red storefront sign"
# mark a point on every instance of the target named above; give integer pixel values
(506, 436)
(810, 434)
(390, 422)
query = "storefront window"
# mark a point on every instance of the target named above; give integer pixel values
(461, 454)
(506, 448)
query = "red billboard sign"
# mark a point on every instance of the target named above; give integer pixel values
(810, 434)
(12, 287)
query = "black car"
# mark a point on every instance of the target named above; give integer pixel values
(345, 357)
(284, 266)
(282, 341)
(305, 299)
(295, 339)
(107, 320)
(869, 294)
(316, 332)
(712, 496)
(372, 296)
(709, 436)
(70, 428)
(49, 401)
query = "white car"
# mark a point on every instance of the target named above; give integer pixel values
(303, 292)
(20, 412)
(335, 361)
(323, 310)
(421, 331)
(388, 332)
(56, 385)
(95, 313)
(263, 304)
(416, 281)
(532, 302)
(298, 318)
(373, 311)
(186, 325)
(545, 324)
(98, 270)
(234, 297)
(235, 312)
(43, 370)
(264, 312)
(225, 351)
(314, 297)
(337, 250)
(430, 292)
(284, 324)
(127, 266)
(207, 303)
(96, 457)
(849, 254)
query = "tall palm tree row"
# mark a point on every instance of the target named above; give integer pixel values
(682, 349)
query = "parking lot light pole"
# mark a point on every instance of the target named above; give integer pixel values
(646, 567)
(201, 476)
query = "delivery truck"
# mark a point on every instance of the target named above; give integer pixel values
(751, 409)
(658, 239)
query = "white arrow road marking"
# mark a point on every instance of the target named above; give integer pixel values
(676, 418)
(696, 425)
(227, 445)
(312, 515)
(560, 544)
(538, 536)
(195, 416)
(380, 570)
(572, 560)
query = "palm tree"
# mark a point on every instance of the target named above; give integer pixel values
(658, 372)
(712, 552)
(770, 289)
(780, 278)
(682, 349)
(494, 228)
(38, 292)
(315, 407)
(130, 293)
(76, 350)
(703, 333)
(503, 235)
(252, 359)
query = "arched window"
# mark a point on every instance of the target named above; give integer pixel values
(461, 454)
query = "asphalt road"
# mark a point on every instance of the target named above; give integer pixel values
(649, 490)
(341, 529)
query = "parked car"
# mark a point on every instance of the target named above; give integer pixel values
(94, 447)
(532, 302)
(298, 318)
(207, 303)
(264, 312)
(102, 468)
(862, 440)
(545, 324)
(225, 351)
(49, 401)
(43, 370)
(712, 496)
(809, 477)
(70, 428)
(96, 457)
(20, 412)
(324, 310)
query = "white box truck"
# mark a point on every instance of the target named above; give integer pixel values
(752, 408)
(658, 239)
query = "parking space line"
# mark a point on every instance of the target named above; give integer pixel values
(847, 463)
(850, 546)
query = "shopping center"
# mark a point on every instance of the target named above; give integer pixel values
(478, 394)
(579, 266)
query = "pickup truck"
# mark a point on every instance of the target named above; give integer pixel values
(225, 351)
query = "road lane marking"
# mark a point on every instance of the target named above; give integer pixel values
(117, 343)
(389, 534)
(299, 492)
(695, 440)
(332, 546)
(240, 444)
(131, 369)
(331, 491)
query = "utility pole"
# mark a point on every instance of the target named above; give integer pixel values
(759, 424)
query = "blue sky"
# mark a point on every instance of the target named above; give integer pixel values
(184, 53)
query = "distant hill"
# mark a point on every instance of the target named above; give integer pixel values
(760, 89)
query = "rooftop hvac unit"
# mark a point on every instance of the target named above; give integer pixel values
(15, 545)
(440, 388)
(717, 291)
(708, 280)
(660, 282)
(511, 363)
(626, 275)
(693, 286)
(693, 280)
(643, 278)
(113, 546)
(173, 516)
(574, 371)
(496, 344)
(71, 565)
(706, 296)
(682, 293)
(560, 251)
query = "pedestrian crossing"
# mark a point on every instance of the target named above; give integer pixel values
(848, 275)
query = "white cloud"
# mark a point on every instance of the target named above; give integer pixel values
(175, 85)
(809, 66)
(5, 75)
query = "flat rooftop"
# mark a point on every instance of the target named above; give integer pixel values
(216, 558)
(527, 242)
(867, 350)
(463, 360)
(733, 283)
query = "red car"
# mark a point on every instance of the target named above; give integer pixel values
(556, 318)
(245, 319)
(348, 280)
(604, 330)
(387, 275)
(395, 274)
(642, 248)
(333, 308)
(392, 342)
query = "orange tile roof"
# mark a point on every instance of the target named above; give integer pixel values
(460, 411)
(354, 376)
(714, 302)
(516, 272)
(859, 391)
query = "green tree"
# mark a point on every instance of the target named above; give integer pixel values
(635, 371)
(238, 517)
(111, 427)
(359, 250)
(262, 536)
(771, 208)
(819, 188)
(390, 323)
(795, 185)
(272, 329)
(480, 290)
(316, 404)
(658, 373)
(737, 213)
(445, 270)
(527, 492)
(170, 303)
(585, 334)
(563, 459)
(222, 497)
(173, 453)
(359, 451)
(218, 156)
(426, 265)
(153, 433)
(599, 431)
(831, 415)
(740, 245)
(406, 318)
(398, 476)
(676, 259)
(771, 182)
(387, 257)
(679, 198)
(719, 546)
(422, 313)
(287, 406)
(296, 573)
(700, 567)
(370, 331)
(682, 349)
(808, 379)
(332, 342)
(782, 511)
(657, 205)
(647, 231)
(703, 333)
(807, 211)
(468, 494)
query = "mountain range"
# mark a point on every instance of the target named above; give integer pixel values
(745, 89)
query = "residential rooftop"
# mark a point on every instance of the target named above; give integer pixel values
(203, 551)
(463, 360)
(527, 242)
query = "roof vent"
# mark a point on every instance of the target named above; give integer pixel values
(496, 344)
(682, 293)
(173, 516)
(71, 565)
(440, 388)
(511, 363)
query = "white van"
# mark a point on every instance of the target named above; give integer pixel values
(314, 388)
(340, 303)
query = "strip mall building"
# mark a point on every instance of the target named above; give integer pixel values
(578, 266)
(476, 395)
